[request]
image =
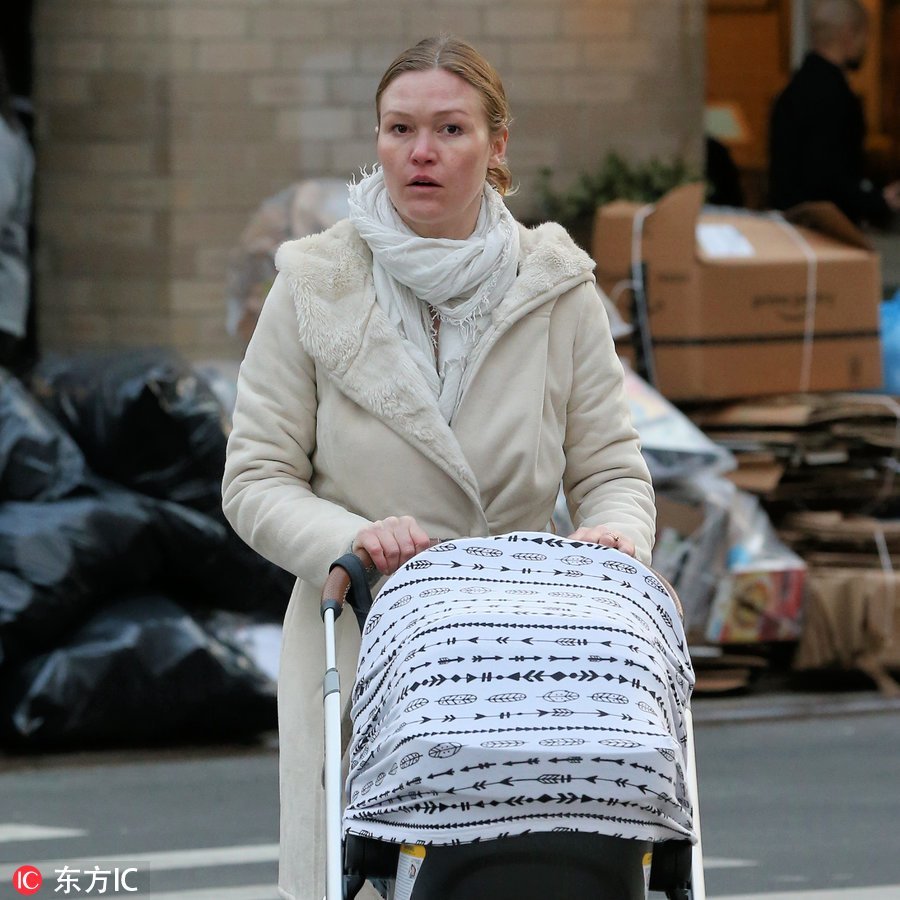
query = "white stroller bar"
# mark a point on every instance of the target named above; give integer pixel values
(331, 689)
(348, 571)
(698, 880)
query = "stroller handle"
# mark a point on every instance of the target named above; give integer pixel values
(347, 580)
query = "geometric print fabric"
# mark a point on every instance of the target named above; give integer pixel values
(515, 684)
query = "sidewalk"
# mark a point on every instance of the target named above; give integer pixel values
(783, 696)
(767, 707)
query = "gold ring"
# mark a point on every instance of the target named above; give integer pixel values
(615, 537)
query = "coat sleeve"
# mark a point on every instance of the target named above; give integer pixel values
(267, 493)
(606, 480)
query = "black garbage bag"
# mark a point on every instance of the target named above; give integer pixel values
(241, 580)
(17, 597)
(257, 634)
(141, 671)
(77, 553)
(143, 418)
(38, 458)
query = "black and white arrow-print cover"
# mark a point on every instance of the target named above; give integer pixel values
(515, 684)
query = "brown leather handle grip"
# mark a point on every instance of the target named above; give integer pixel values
(337, 584)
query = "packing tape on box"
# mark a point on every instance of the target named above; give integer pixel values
(642, 313)
(809, 320)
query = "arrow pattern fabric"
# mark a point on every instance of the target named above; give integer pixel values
(515, 684)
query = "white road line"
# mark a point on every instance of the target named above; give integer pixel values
(723, 862)
(20, 831)
(243, 892)
(163, 860)
(881, 892)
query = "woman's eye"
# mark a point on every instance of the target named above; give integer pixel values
(400, 128)
(453, 129)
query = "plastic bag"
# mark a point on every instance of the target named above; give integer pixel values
(38, 458)
(75, 553)
(257, 636)
(733, 552)
(302, 208)
(673, 447)
(143, 419)
(890, 343)
(16, 599)
(140, 671)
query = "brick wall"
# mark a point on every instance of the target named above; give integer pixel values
(163, 123)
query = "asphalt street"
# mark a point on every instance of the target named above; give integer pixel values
(791, 810)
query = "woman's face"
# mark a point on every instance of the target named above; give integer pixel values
(435, 147)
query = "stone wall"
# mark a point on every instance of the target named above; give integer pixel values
(163, 123)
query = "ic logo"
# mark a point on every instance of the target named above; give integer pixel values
(27, 880)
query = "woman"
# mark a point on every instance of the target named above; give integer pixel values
(426, 369)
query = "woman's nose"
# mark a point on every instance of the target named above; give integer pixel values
(423, 149)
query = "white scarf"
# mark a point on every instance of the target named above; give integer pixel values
(461, 280)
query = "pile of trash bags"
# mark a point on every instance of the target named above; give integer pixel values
(128, 605)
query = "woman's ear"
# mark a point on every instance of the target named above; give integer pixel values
(498, 148)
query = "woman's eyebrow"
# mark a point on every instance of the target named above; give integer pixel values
(437, 114)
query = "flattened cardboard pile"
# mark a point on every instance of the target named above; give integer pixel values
(803, 452)
(827, 469)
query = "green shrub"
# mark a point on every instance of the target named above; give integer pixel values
(615, 179)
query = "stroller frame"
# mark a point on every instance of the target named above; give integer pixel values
(677, 868)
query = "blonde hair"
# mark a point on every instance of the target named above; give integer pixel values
(460, 59)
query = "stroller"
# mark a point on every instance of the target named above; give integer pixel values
(521, 728)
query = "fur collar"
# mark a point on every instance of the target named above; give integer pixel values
(345, 331)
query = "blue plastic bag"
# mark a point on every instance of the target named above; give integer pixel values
(890, 343)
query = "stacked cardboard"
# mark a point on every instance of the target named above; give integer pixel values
(827, 467)
(738, 304)
(813, 451)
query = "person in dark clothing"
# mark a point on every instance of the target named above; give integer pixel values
(722, 175)
(818, 128)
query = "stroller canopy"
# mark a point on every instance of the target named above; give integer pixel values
(515, 684)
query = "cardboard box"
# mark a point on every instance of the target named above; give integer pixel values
(727, 296)
(757, 605)
(612, 252)
(613, 232)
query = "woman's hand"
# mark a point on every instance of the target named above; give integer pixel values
(605, 536)
(392, 542)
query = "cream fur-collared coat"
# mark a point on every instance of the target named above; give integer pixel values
(335, 427)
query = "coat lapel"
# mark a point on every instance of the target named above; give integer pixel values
(549, 265)
(345, 331)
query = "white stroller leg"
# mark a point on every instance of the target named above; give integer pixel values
(698, 882)
(331, 688)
